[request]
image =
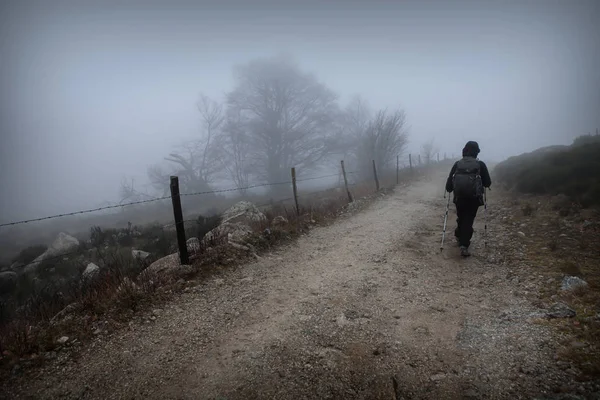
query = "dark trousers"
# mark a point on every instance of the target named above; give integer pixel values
(466, 210)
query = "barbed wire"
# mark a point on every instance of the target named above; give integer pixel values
(25, 221)
(91, 210)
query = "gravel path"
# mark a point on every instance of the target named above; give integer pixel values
(366, 308)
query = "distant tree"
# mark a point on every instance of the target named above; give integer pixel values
(196, 162)
(385, 136)
(159, 179)
(234, 142)
(287, 117)
(129, 194)
(429, 151)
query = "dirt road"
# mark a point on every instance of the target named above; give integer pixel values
(366, 308)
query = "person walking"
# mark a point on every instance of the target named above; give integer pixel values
(467, 180)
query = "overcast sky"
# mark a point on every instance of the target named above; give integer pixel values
(92, 91)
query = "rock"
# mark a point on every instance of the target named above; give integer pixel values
(578, 345)
(68, 310)
(279, 221)
(168, 265)
(560, 310)
(437, 377)
(193, 245)
(63, 340)
(139, 254)
(235, 232)
(91, 272)
(8, 282)
(522, 234)
(572, 283)
(61, 245)
(163, 264)
(243, 212)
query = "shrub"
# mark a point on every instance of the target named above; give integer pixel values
(573, 171)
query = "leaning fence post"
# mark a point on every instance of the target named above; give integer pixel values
(346, 182)
(295, 191)
(410, 161)
(376, 178)
(178, 214)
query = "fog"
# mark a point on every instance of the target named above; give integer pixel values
(95, 93)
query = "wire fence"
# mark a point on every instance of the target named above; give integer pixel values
(207, 192)
(350, 180)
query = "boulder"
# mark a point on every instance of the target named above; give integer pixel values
(572, 283)
(8, 282)
(139, 254)
(62, 244)
(169, 265)
(560, 310)
(163, 264)
(236, 224)
(243, 212)
(91, 272)
(235, 232)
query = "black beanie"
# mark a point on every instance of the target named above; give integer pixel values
(471, 149)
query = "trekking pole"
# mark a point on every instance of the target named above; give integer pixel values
(484, 218)
(445, 221)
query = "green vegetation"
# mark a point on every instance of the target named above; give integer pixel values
(573, 171)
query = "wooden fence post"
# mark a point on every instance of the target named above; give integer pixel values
(295, 191)
(346, 182)
(397, 169)
(178, 214)
(410, 161)
(419, 160)
(376, 178)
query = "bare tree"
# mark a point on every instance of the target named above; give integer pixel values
(384, 138)
(287, 116)
(429, 150)
(358, 114)
(233, 143)
(159, 179)
(129, 194)
(196, 162)
(212, 120)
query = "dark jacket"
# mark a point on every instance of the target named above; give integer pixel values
(485, 176)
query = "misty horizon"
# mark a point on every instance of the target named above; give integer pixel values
(94, 94)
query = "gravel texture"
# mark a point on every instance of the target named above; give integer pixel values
(365, 308)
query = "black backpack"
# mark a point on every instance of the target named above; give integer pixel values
(467, 179)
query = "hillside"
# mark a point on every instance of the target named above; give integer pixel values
(573, 171)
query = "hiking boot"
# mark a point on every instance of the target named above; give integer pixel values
(464, 251)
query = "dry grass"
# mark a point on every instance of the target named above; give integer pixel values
(122, 292)
(560, 244)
